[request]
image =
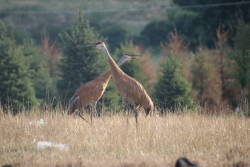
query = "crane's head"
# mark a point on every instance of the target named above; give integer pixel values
(127, 57)
(99, 45)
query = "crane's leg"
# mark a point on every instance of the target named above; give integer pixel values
(136, 118)
(93, 111)
(91, 115)
(74, 104)
(78, 113)
(126, 110)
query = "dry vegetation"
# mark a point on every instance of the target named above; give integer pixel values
(159, 141)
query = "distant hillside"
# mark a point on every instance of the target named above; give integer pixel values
(28, 15)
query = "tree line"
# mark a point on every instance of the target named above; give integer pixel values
(204, 61)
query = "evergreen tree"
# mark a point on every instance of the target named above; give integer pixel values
(242, 58)
(155, 33)
(43, 83)
(15, 86)
(115, 34)
(209, 18)
(79, 63)
(172, 91)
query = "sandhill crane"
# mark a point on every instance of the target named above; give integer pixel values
(184, 162)
(91, 92)
(129, 88)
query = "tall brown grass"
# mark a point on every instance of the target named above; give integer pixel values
(111, 141)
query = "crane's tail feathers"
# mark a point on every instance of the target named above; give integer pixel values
(73, 104)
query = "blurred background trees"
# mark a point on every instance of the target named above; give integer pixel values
(242, 58)
(79, 63)
(39, 74)
(16, 88)
(206, 82)
(172, 91)
(192, 52)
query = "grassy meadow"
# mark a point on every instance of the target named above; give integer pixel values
(113, 140)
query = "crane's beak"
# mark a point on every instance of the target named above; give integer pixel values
(90, 45)
(134, 57)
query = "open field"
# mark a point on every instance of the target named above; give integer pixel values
(110, 141)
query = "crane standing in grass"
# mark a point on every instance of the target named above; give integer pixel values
(130, 89)
(91, 92)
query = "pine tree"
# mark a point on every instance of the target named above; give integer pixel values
(172, 91)
(39, 75)
(242, 61)
(15, 86)
(79, 63)
(242, 58)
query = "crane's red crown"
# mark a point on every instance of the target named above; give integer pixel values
(131, 55)
(99, 42)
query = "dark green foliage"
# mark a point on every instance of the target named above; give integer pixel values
(242, 57)
(15, 86)
(79, 63)
(197, 26)
(172, 91)
(114, 33)
(185, 24)
(37, 63)
(154, 33)
(182, 21)
(209, 18)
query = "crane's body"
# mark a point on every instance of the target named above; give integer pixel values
(129, 88)
(91, 92)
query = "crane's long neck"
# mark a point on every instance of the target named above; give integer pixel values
(114, 67)
(106, 76)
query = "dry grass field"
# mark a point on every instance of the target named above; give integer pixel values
(111, 141)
